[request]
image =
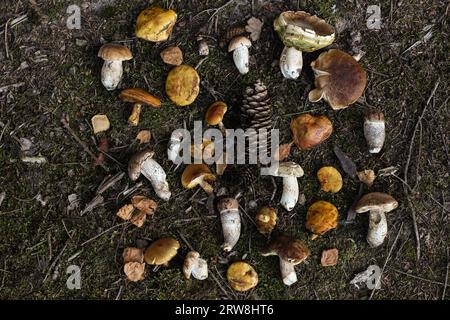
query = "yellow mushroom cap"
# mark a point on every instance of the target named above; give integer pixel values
(183, 85)
(155, 24)
(161, 251)
(330, 179)
(195, 174)
(241, 276)
(215, 113)
(266, 219)
(114, 52)
(322, 216)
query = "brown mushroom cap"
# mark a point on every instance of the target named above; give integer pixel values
(194, 174)
(161, 251)
(287, 248)
(214, 114)
(241, 276)
(340, 79)
(227, 204)
(266, 219)
(134, 166)
(309, 131)
(376, 201)
(114, 52)
(239, 41)
(137, 95)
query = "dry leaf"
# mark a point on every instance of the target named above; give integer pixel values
(100, 123)
(346, 163)
(125, 212)
(134, 271)
(254, 27)
(144, 136)
(144, 204)
(103, 146)
(138, 219)
(389, 171)
(367, 177)
(132, 254)
(329, 257)
(283, 151)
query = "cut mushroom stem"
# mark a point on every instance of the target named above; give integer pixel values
(291, 63)
(377, 228)
(374, 130)
(287, 272)
(133, 119)
(231, 222)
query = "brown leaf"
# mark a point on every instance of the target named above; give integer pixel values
(172, 55)
(103, 146)
(125, 212)
(329, 257)
(138, 219)
(132, 254)
(134, 271)
(144, 204)
(283, 151)
(367, 177)
(347, 164)
(144, 136)
(254, 27)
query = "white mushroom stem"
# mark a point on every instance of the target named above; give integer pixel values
(231, 227)
(287, 272)
(111, 74)
(157, 177)
(241, 59)
(375, 133)
(289, 197)
(173, 149)
(377, 228)
(291, 63)
(195, 266)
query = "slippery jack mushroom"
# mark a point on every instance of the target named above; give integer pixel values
(112, 70)
(289, 171)
(322, 216)
(198, 175)
(377, 204)
(195, 266)
(374, 130)
(291, 252)
(299, 32)
(142, 163)
(231, 222)
(215, 113)
(241, 276)
(155, 24)
(183, 85)
(161, 251)
(138, 97)
(239, 46)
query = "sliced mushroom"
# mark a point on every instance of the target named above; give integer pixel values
(195, 266)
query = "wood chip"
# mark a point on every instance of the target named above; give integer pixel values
(329, 257)
(138, 219)
(141, 203)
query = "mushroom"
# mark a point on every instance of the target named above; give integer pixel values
(330, 179)
(183, 85)
(289, 171)
(374, 130)
(138, 97)
(142, 163)
(161, 251)
(309, 131)
(195, 266)
(214, 114)
(172, 56)
(231, 222)
(377, 204)
(100, 123)
(299, 32)
(322, 216)
(266, 219)
(241, 276)
(239, 46)
(291, 252)
(339, 79)
(203, 48)
(198, 175)
(112, 70)
(155, 24)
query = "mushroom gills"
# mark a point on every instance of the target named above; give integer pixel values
(111, 74)
(289, 197)
(287, 272)
(231, 226)
(377, 228)
(157, 177)
(291, 63)
(241, 59)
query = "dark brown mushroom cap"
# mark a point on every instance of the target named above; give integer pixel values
(114, 52)
(376, 201)
(340, 79)
(134, 166)
(287, 248)
(227, 204)
(137, 95)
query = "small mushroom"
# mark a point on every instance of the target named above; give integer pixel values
(198, 175)
(161, 251)
(138, 97)
(291, 252)
(100, 123)
(155, 24)
(112, 70)
(339, 79)
(214, 114)
(172, 56)
(309, 131)
(266, 219)
(330, 179)
(183, 85)
(377, 204)
(203, 48)
(374, 130)
(291, 63)
(142, 163)
(239, 46)
(289, 171)
(322, 216)
(195, 266)
(231, 222)
(241, 276)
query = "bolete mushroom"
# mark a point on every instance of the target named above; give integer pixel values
(241, 276)
(161, 251)
(289, 171)
(309, 131)
(183, 85)
(377, 204)
(330, 179)
(231, 222)
(239, 46)
(339, 79)
(374, 130)
(214, 114)
(195, 266)
(322, 216)
(266, 219)
(299, 32)
(291, 252)
(155, 24)
(112, 70)
(198, 175)
(142, 163)
(138, 97)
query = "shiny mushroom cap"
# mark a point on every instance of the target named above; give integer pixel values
(309, 131)
(134, 166)
(155, 24)
(140, 96)
(195, 174)
(239, 41)
(287, 169)
(183, 85)
(241, 276)
(322, 216)
(340, 79)
(214, 114)
(376, 201)
(303, 31)
(161, 251)
(266, 219)
(114, 52)
(288, 249)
